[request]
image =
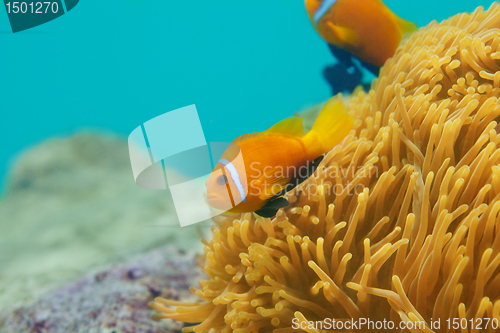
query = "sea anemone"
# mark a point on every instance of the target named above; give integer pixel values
(400, 223)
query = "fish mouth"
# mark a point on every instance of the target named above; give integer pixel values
(212, 198)
(216, 202)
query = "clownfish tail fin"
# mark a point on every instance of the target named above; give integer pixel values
(330, 128)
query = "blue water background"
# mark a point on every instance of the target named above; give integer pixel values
(112, 65)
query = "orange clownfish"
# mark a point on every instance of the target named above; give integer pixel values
(259, 168)
(365, 28)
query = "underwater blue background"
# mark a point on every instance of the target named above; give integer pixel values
(112, 65)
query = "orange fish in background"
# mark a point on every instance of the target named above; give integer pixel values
(366, 29)
(274, 162)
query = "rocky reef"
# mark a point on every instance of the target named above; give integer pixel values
(113, 300)
(71, 208)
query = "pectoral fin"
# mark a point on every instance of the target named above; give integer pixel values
(344, 34)
(272, 207)
(271, 183)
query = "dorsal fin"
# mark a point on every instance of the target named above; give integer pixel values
(244, 137)
(406, 26)
(290, 126)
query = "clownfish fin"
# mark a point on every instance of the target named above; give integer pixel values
(229, 213)
(330, 128)
(272, 182)
(290, 126)
(271, 208)
(345, 35)
(273, 191)
(311, 168)
(406, 26)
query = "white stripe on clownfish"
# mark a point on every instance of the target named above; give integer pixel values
(325, 6)
(235, 177)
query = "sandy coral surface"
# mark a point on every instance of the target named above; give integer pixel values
(70, 207)
(114, 299)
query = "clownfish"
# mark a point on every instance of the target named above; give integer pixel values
(273, 162)
(366, 29)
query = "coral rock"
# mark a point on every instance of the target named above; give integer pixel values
(112, 300)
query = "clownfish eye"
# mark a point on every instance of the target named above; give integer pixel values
(222, 180)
